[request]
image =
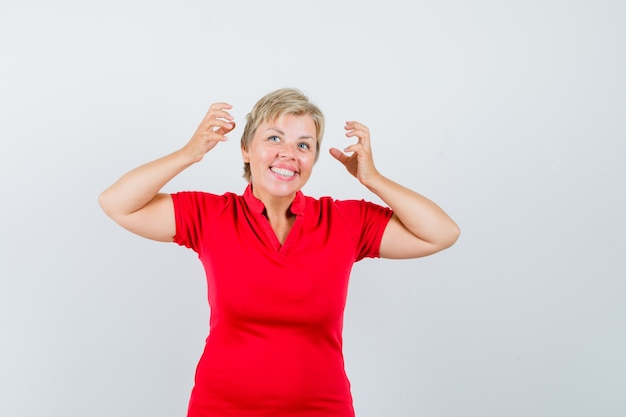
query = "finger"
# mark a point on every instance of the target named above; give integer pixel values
(232, 127)
(352, 124)
(362, 137)
(214, 136)
(338, 155)
(216, 125)
(356, 127)
(355, 148)
(217, 115)
(219, 110)
(217, 130)
(360, 131)
(220, 105)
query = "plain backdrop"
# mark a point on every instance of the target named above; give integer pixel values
(509, 114)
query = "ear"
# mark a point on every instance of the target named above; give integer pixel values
(245, 155)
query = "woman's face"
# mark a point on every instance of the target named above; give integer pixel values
(281, 156)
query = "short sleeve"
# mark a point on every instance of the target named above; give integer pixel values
(195, 213)
(366, 222)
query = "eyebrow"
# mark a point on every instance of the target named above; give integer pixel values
(283, 133)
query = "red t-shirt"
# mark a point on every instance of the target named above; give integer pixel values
(275, 341)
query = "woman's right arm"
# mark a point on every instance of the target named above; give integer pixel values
(134, 201)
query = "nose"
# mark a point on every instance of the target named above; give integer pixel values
(287, 151)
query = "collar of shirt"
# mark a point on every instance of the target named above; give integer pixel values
(257, 206)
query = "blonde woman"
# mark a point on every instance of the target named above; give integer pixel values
(277, 262)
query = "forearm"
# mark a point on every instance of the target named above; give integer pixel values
(139, 186)
(419, 215)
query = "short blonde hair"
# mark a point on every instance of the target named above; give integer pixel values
(274, 105)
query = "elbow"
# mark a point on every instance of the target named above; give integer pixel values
(452, 236)
(455, 234)
(102, 202)
(105, 203)
(111, 208)
(449, 238)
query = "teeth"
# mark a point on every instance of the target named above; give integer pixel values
(284, 172)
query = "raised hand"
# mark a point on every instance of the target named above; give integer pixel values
(217, 123)
(360, 163)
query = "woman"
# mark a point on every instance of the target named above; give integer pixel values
(277, 262)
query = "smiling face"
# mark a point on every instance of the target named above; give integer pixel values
(274, 105)
(281, 156)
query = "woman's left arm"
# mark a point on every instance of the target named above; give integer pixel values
(418, 227)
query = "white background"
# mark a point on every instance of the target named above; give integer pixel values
(509, 114)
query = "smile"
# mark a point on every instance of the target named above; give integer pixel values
(283, 172)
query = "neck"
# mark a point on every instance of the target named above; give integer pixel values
(275, 207)
(278, 214)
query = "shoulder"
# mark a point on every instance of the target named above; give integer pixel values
(350, 210)
(348, 205)
(188, 200)
(203, 195)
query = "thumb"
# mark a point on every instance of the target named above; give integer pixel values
(338, 155)
(232, 126)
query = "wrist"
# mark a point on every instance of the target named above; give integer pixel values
(186, 156)
(374, 181)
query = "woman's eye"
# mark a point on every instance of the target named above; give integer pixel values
(274, 139)
(304, 146)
